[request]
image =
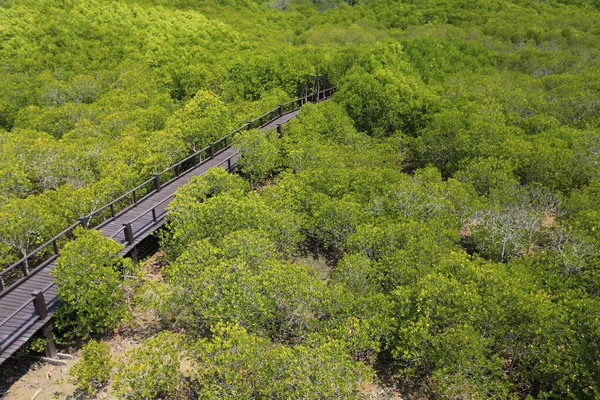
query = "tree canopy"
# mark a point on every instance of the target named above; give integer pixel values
(433, 229)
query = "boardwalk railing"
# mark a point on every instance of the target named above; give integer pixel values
(158, 216)
(45, 254)
(25, 322)
(20, 270)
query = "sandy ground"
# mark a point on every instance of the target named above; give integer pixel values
(32, 378)
(43, 381)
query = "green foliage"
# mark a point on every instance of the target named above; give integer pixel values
(245, 285)
(34, 345)
(487, 175)
(399, 100)
(152, 370)
(582, 208)
(25, 224)
(228, 212)
(214, 182)
(204, 119)
(489, 319)
(259, 154)
(93, 371)
(333, 220)
(90, 284)
(449, 189)
(323, 122)
(235, 363)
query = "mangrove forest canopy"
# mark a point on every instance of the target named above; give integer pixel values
(433, 230)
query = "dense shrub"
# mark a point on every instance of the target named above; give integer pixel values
(89, 277)
(93, 371)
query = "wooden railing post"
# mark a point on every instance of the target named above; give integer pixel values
(212, 150)
(50, 349)
(39, 304)
(84, 221)
(280, 110)
(250, 124)
(157, 182)
(128, 231)
(134, 255)
(279, 131)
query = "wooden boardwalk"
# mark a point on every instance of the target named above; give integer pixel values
(142, 218)
(26, 322)
(28, 304)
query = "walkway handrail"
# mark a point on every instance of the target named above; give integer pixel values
(122, 197)
(159, 217)
(23, 263)
(18, 271)
(41, 308)
(155, 218)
